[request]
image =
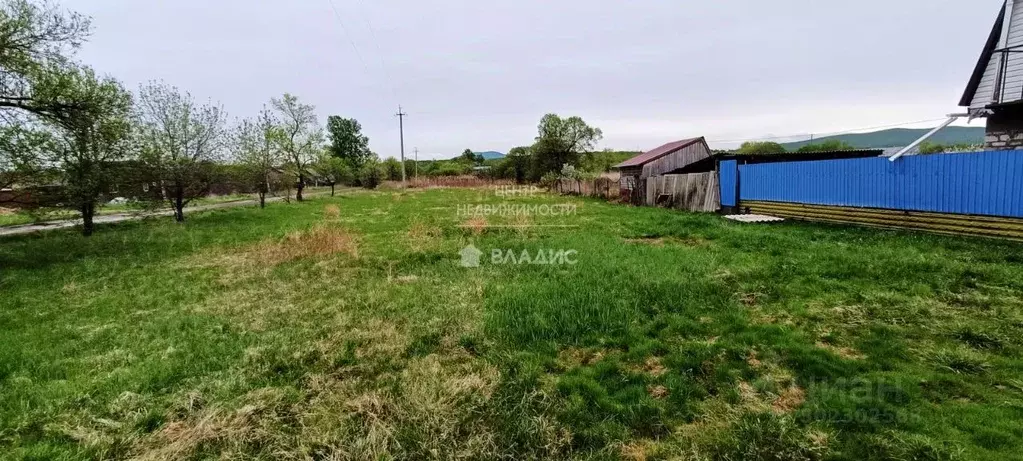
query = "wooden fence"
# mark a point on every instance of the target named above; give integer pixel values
(604, 188)
(691, 192)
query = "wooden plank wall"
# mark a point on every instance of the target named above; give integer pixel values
(600, 188)
(676, 160)
(692, 192)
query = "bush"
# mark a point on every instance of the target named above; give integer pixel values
(833, 145)
(449, 169)
(549, 179)
(761, 148)
(370, 176)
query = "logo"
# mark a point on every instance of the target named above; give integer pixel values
(471, 256)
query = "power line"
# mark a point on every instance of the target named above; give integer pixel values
(836, 133)
(376, 43)
(337, 15)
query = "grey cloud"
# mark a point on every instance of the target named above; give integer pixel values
(481, 74)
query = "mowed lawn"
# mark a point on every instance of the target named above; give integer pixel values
(346, 328)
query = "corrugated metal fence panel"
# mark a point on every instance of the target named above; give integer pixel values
(982, 183)
(729, 180)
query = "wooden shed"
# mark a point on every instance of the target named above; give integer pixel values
(671, 158)
(644, 176)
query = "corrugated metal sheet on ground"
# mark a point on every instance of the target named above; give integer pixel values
(754, 218)
(981, 183)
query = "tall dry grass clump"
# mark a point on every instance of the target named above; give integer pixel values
(476, 225)
(321, 240)
(332, 212)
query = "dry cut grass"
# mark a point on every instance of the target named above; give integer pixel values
(320, 240)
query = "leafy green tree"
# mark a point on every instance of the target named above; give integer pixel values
(560, 142)
(347, 141)
(23, 146)
(392, 169)
(40, 89)
(255, 143)
(182, 142)
(90, 140)
(371, 173)
(301, 138)
(604, 161)
(833, 145)
(761, 148)
(471, 158)
(518, 160)
(37, 42)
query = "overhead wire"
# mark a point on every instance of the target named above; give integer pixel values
(376, 43)
(348, 35)
(835, 133)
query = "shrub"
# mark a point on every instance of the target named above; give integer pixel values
(370, 176)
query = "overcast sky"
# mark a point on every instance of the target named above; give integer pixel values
(480, 74)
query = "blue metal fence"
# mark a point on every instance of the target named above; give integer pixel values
(981, 183)
(729, 180)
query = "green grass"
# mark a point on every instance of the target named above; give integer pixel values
(297, 332)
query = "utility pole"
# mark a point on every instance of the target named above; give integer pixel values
(417, 164)
(401, 126)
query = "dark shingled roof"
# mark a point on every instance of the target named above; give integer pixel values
(647, 157)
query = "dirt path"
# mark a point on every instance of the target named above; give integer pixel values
(22, 229)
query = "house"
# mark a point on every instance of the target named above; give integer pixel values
(995, 89)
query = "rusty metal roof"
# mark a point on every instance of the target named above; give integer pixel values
(659, 152)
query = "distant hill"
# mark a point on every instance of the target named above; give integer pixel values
(491, 155)
(900, 137)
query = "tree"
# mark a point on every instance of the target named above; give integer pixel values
(370, 175)
(256, 144)
(334, 170)
(561, 142)
(761, 148)
(23, 146)
(37, 89)
(181, 144)
(37, 42)
(90, 140)
(518, 159)
(827, 146)
(301, 137)
(471, 158)
(347, 141)
(392, 169)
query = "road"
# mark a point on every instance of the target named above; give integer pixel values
(122, 217)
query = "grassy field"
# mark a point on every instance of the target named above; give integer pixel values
(346, 328)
